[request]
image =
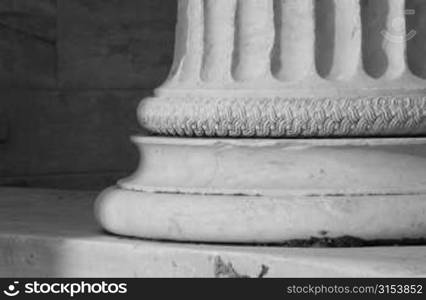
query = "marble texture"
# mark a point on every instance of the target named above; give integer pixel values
(270, 191)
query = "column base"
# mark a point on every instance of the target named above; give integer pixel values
(271, 191)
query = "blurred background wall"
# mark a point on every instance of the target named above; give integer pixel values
(72, 73)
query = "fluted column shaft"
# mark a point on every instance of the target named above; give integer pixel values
(289, 68)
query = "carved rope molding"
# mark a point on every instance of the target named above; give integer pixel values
(282, 117)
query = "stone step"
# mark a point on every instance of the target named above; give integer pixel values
(49, 233)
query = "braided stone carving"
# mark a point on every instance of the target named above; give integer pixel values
(283, 117)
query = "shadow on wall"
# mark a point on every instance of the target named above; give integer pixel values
(71, 76)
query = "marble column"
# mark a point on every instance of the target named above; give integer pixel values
(278, 121)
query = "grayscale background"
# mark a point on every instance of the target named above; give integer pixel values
(72, 73)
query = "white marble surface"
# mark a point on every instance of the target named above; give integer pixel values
(270, 191)
(52, 233)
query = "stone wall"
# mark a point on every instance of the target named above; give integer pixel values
(71, 75)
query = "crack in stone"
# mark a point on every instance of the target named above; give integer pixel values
(227, 270)
(29, 34)
(183, 191)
